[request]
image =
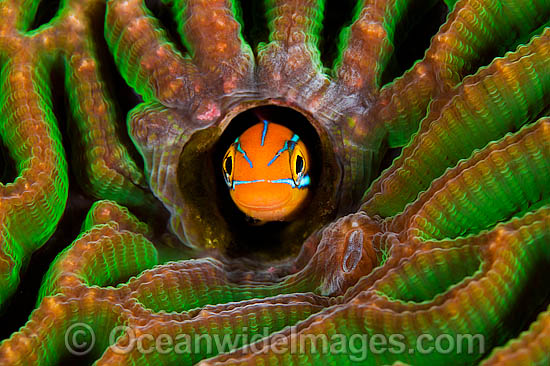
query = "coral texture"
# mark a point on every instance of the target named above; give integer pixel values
(444, 249)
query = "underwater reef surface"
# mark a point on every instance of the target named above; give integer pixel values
(425, 237)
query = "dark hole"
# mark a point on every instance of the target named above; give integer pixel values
(162, 12)
(513, 38)
(338, 14)
(46, 11)
(8, 171)
(389, 156)
(266, 240)
(253, 22)
(87, 359)
(413, 35)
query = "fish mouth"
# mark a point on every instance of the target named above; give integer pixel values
(258, 200)
(261, 207)
(265, 204)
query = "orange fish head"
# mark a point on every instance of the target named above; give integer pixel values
(267, 172)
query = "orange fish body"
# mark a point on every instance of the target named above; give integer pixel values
(267, 172)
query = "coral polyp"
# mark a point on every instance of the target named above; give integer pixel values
(424, 240)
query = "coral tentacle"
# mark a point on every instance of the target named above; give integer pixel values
(147, 60)
(31, 206)
(212, 34)
(496, 100)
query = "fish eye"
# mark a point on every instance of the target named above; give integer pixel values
(228, 166)
(298, 164)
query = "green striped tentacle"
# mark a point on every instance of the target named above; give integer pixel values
(105, 254)
(429, 293)
(210, 333)
(529, 349)
(474, 32)
(367, 45)
(503, 180)
(211, 32)
(111, 249)
(496, 100)
(110, 172)
(31, 206)
(40, 341)
(149, 63)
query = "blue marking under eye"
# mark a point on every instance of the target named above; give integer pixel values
(304, 182)
(264, 132)
(240, 149)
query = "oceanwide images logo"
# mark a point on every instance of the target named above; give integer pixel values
(80, 339)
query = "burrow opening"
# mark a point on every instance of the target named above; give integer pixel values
(277, 238)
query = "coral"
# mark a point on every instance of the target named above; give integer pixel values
(437, 259)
